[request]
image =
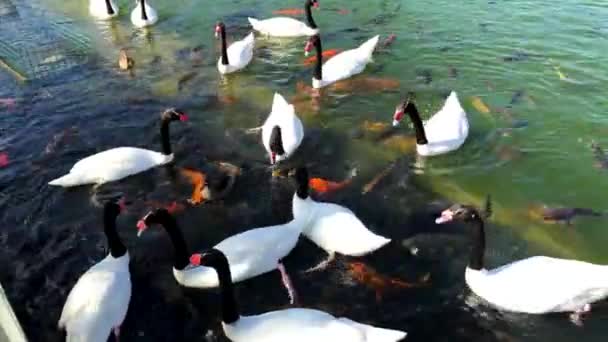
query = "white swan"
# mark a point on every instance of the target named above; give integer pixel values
(282, 132)
(295, 325)
(343, 65)
(444, 132)
(98, 303)
(121, 162)
(332, 227)
(143, 15)
(288, 27)
(251, 253)
(238, 55)
(103, 9)
(535, 285)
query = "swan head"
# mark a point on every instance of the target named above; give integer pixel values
(458, 212)
(310, 43)
(401, 109)
(174, 114)
(213, 258)
(276, 144)
(313, 3)
(219, 28)
(156, 216)
(113, 208)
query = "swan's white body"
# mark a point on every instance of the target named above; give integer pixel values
(98, 302)
(346, 64)
(99, 10)
(335, 228)
(305, 325)
(540, 285)
(292, 132)
(447, 130)
(136, 17)
(249, 254)
(282, 27)
(240, 54)
(112, 165)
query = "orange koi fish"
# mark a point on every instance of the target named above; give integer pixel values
(198, 180)
(323, 186)
(289, 11)
(369, 277)
(327, 54)
(481, 107)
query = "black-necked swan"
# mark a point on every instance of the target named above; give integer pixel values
(118, 163)
(535, 285)
(252, 252)
(282, 132)
(98, 303)
(238, 55)
(327, 225)
(295, 324)
(143, 15)
(444, 132)
(103, 9)
(288, 27)
(343, 65)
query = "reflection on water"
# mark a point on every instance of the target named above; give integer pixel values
(529, 80)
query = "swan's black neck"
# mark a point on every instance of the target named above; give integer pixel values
(479, 244)
(144, 15)
(181, 257)
(412, 111)
(117, 248)
(109, 7)
(164, 135)
(230, 312)
(318, 72)
(224, 45)
(309, 19)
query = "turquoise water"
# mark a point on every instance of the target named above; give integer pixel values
(526, 151)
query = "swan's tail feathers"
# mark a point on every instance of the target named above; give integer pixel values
(71, 179)
(279, 105)
(369, 46)
(376, 334)
(453, 102)
(250, 39)
(255, 23)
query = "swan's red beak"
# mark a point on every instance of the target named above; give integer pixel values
(315, 4)
(397, 117)
(122, 204)
(446, 216)
(273, 158)
(217, 31)
(183, 117)
(307, 48)
(195, 259)
(141, 226)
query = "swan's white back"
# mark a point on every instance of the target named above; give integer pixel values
(305, 325)
(347, 63)
(447, 130)
(98, 302)
(292, 131)
(541, 284)
(282, 27)
(240, 54)
(99, 9)
(111, 165)
(250, 253)
(136, 17)
(336, 228)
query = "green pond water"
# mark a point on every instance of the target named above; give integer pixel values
(538, 66)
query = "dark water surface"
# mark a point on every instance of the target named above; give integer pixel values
(50, 236)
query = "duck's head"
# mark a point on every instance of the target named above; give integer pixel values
(313, 3)
(156, 216)
(401, 109)
(211, 258)
(458, 212)
(219, 28)
(276, 144)
(174, 114)
(311, 43)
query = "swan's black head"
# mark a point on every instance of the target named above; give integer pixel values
(459, 212)
(312, 42)
(113, 208)
(219, 28)
(313, 3)
(156, 216)
(276, 144)
(211, 258)
(401, 109)
(174, 114)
